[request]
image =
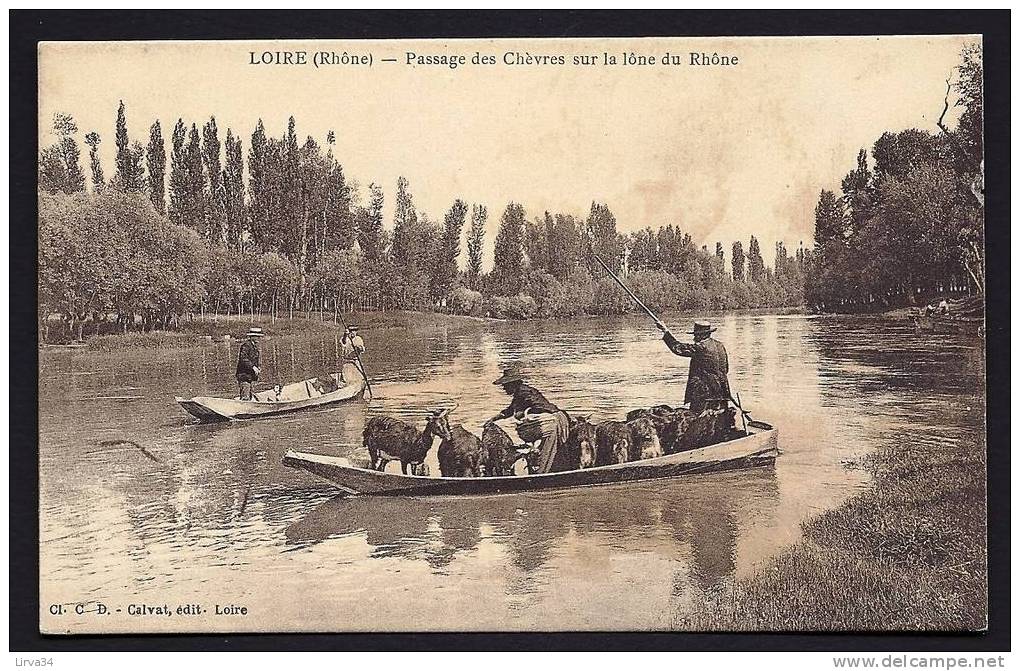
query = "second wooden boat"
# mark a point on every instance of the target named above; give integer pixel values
(311, 393)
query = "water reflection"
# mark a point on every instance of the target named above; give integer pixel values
(693, 521)
(135, 500)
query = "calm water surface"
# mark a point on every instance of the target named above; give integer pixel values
(207, 514)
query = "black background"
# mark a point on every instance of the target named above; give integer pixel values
(29, 27)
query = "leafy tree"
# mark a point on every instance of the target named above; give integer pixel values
(507, 276)
(59, 164)
(445, 266)
(536, 242)
(564, 246)
(858, 193)
(644, 253)
(370, 225)
(156, 162)
(830, 224)
(601, 237)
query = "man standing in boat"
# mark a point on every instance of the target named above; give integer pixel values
(553, 424)
(707, 379)
(352, 345)
(248, 362)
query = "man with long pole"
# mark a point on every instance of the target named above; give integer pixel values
(707, 379)
(353, 344)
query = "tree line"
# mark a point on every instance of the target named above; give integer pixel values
(186, 229)
(908, 223)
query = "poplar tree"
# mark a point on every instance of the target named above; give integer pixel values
(445, 266)
(98, 178)
(196, 193)
(177, 207)
(755, 262)
(129, 175)
(370, 225)
(233, 192)
(215, 210)
(475, 242)
(405, 221)
(602, 238)
(259, 189)
(155, 160)
(508, 265)
(737, 261)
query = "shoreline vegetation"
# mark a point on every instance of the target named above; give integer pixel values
(907, 553)
(217, 328)
(200, 230)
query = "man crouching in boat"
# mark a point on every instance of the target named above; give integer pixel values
(554, 423)
(707, 379)
(248, 362)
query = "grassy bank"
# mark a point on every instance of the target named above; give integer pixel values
(906, 554)
(197, 331)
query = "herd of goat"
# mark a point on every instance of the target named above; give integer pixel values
(645, 434)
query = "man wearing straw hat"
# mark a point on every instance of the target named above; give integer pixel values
(548, 423)
(248, 362)
(707, 379)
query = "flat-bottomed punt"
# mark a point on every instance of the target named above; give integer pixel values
(312, 393)
(758, 448)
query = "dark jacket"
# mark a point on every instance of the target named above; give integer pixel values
(709, 368)
(526, 397)
(247, 361)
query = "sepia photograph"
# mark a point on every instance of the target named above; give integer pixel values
(512, 335)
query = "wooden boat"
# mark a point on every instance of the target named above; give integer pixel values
(759, 447)
(312, 393)
(935, 323)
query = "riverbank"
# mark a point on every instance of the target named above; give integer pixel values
(196, 330)
(906, 554)
(218, 328)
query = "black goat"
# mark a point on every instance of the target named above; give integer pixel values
(460, 455)
(389, 439)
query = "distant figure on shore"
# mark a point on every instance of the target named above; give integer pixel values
(553, 422)
(248, 362)
(707, 379)
(944, 306)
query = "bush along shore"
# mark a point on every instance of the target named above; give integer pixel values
(908, 553)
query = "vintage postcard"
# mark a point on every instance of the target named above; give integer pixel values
(512, 335)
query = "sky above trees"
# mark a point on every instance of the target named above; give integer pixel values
(722, 152)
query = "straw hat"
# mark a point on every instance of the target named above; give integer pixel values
(254, 332)
(510, 374)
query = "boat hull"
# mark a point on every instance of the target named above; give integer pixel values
(758, 449)
(953, 325)
(216, 409)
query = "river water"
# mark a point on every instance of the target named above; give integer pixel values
(181, 514)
